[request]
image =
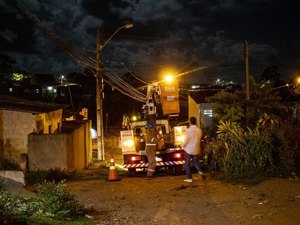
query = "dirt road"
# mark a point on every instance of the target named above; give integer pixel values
(167, 200)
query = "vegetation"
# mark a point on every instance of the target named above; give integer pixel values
(52, 203)
(6, 164)
(39, 176)
(254, 138)
(55, 201)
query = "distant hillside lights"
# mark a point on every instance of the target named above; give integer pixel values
(222, 82)
(50, 91)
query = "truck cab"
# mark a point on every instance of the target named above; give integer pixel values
(169, 154)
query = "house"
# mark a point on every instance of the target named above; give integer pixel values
(200, 107)
(37, 135)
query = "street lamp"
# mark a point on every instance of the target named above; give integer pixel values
(169, 78)
(126, 26)
(99, 90)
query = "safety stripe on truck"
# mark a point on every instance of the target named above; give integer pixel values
(143, 165)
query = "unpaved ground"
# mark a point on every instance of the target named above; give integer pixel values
(167, 200)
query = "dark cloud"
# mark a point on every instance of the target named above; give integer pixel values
(8, 35)
(183, 34)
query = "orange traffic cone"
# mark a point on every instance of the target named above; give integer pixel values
(112, 175)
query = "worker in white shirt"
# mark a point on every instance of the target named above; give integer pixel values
(192, 149)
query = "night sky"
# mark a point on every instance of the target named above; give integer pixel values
(178, 34)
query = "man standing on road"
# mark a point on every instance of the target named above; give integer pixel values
(151, 140)
(192, 148)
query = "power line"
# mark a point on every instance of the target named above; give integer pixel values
(79, 56)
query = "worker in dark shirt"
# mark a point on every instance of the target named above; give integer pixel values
(151, 141)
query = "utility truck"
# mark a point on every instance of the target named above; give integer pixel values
(169, 153)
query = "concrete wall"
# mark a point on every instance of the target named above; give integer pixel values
(49, 151)
(66, 151)
(14, 128)
(17, 176)
(79, 153)
(82, 140)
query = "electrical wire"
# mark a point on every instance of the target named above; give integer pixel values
(79, 56)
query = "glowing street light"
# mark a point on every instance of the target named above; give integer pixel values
(134, 118)
(169, 78)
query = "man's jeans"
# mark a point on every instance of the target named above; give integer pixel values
(196, 164)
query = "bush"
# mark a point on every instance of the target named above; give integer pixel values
(52, 201)
(57, 202)
(39, 176)
(263, 151)
(6, 164)
(2, 185)
(283, 140)
(14, 208)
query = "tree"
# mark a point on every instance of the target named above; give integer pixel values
(6, 67)
(255, 137)
(270, 73)
(234, 107)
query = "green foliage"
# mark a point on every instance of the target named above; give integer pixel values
(284, 139)
(243, 156)
(266, 150)
(52, 201)
(2, 185)
(234, 107)
(228, 106)
(259, 137)
(42, 220)
(57, 202)
(15, 208)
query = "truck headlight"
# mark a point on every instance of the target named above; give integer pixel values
(128, 143)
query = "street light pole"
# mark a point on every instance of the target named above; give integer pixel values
(99, 90)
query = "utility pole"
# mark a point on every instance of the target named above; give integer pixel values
(99, 98)
(247, 88)
(99, 89)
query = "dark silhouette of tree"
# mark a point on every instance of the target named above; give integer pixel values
(270, 73)
(6, 67)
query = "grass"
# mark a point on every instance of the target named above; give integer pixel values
(246, 181)
(42, 220)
